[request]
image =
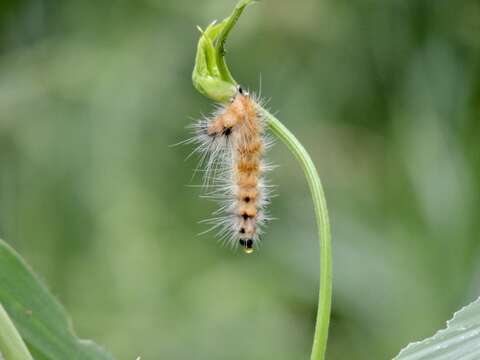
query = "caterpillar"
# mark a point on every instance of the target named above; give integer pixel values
(232, 143)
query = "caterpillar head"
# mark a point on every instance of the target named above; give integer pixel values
(242, 91)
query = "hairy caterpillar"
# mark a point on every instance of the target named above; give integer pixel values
(232, 143)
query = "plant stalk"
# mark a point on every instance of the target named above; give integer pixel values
(323, 224)
(12, 346)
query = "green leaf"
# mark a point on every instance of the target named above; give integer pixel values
(40, 319)
(12, 346)
(459, 341)
(211, 76)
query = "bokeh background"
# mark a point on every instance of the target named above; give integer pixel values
(384, 94)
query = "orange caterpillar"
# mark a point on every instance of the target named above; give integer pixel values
(234, 142)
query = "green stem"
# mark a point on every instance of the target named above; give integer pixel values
(12, 346)
(321, 214)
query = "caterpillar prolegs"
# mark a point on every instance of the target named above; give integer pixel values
(232, 143)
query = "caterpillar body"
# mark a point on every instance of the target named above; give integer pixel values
(232, 144)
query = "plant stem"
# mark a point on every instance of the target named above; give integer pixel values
(12, 346)
(321, 214)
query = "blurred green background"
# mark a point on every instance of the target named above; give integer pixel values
(384, 94)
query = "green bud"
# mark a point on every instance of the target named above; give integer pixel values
(211, 76)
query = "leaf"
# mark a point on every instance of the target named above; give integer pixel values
(42, 322)
(211, 76)
(459, 341)
(11, 343)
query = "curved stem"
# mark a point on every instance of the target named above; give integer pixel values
(321, 214)
(12, 346)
